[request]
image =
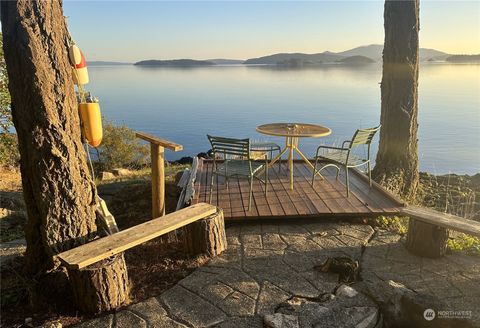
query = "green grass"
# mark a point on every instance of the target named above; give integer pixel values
(392, 223)
(465, 243)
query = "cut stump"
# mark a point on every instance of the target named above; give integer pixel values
(427, 240)
(206, 236)
(102, 286)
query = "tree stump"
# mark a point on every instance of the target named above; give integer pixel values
(427, 240)
(206, 236)
(102, 286)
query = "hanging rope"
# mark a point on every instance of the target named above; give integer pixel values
(82, 99)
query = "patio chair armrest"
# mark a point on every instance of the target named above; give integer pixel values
(346, 141)
(330, 147)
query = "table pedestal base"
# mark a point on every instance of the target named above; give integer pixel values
(291, 145)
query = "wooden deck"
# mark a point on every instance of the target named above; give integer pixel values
(327, 198)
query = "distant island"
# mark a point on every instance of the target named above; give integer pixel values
(359, 55)
(302, 62)
(356, 60)
(474, 59)
(175, 63)
(362, 55)
(106, 63)
(221, 61)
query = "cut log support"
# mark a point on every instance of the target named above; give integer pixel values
(425, 239)
(102, 286)
(206, 236)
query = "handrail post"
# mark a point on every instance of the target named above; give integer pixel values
(157, 153)
(158, 180)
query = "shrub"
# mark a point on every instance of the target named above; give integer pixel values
(9, 155)
(120, 148)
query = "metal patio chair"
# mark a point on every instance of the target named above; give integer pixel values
(237, 163)
(267, 147)
(343, 156)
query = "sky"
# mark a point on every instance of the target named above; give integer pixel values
(134, 30)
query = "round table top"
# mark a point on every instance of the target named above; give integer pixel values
(294, 130)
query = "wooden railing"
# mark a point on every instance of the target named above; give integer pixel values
(157, 150)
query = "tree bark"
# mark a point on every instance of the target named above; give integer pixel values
(102, 286)
(57, 186)
(206, 236)
(396, 165)
(427, 240)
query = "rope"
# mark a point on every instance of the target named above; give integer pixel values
(82, 98)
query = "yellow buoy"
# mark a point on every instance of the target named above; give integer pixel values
(91, 123)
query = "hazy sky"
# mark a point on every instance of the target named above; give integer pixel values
(131, 31)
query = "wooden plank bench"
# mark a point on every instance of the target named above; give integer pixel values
(102, 248)
(97, 270)
(428, 230)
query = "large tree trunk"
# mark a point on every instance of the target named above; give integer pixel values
(58, 190)
(397, 159)
(57, 186)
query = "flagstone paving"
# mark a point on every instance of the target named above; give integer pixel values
(267, 277)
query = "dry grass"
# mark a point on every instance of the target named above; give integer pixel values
(10, 180)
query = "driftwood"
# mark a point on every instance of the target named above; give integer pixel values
(188, 185)
(206, 236)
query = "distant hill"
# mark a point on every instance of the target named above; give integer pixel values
(373, 51)
(356, 60)
(464, 59)
(284, 58)
(174, 63)
(106, 63)
(221, 61)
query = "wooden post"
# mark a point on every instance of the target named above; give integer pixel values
(157, 151)
(158, 180)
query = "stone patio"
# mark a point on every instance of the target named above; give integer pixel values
(267, 277)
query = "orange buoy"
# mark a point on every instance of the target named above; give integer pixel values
(77, 59)
(91, 122)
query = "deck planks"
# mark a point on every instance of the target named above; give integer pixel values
(327, 198)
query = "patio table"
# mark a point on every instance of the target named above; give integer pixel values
(292, 132)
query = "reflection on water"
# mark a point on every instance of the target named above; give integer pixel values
(184, 104)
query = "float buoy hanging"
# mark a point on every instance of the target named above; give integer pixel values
(77, 59)
(91, 118)
(88, 107)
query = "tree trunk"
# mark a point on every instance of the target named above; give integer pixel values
(206, 236)
(102, 286)
(57, 186)
(427, 240)
(397, 158)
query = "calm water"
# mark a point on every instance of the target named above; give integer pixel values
(183, 105)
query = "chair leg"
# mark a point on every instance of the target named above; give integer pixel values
(250, 193)
(369, 174)
(314, 170)
(266, 179)
(338, 173)
(211, 189)
(279, 161)
(347, 181)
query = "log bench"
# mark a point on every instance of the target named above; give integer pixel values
(427, 234)
(97, 270)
